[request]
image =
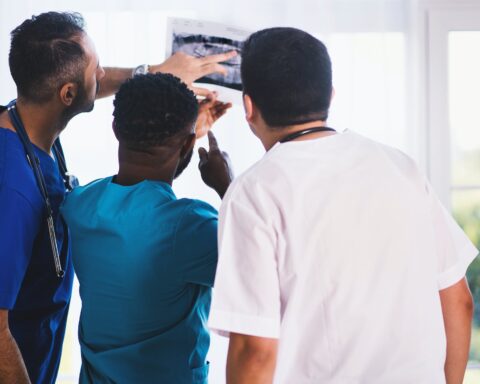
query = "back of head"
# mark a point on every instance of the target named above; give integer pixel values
(45, 54)
(150, 109)
(288, 75)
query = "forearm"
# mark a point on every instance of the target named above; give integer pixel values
(114, 77)
(251, 362)
(12, 367)
(458, 346)
(457, 308)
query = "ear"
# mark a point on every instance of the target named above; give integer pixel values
(332, 95)
(188, 144)
(114, 130)
(250, 108)
(68, 92)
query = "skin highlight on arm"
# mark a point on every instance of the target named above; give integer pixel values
(12, 367)
(457, 308)
(251, 359)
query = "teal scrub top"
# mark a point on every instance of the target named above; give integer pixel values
(146, 263)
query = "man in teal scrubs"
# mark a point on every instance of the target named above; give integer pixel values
(146, 260)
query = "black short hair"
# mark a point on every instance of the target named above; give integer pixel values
(43, 55)
(288, 75)
(152, 108)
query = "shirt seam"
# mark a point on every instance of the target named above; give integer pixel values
(18, 193)
(4, 153)
(464, 261)
(176, 232)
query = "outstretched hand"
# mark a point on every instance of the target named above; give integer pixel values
(190, 68)
(215, 166)
(209, 111)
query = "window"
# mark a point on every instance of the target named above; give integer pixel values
(454, 36)
(464, 83)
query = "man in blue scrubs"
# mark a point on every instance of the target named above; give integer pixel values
(57, 73)
(146, 260)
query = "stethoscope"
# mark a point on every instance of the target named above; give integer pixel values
(304, 132)
(70, 181)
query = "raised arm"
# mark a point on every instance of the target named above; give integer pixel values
(187, 68)
(457, 308)
(251, 359)
(12, 367)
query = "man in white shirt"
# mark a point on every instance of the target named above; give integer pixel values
(337, 262)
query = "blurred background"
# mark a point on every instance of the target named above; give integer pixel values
(406, 73)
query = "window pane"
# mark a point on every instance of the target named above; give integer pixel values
(464, 103)
(466, 209)
(464, 83)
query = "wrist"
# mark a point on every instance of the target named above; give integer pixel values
(141, 69)
(221, 189)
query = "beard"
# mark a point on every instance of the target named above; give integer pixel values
(82, 103)
(183, 164)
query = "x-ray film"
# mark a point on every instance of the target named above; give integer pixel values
(200, 39)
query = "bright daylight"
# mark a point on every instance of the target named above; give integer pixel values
(271, 191)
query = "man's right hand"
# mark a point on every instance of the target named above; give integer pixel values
(215, 166)
(190, 68)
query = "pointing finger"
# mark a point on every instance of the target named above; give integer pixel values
(203, 154)
(212, 141)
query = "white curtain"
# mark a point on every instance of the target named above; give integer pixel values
(372, 44)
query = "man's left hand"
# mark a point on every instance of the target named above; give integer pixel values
(215, 166)
(209, 111)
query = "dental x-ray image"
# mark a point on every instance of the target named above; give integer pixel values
(204, 45)
(203, 38)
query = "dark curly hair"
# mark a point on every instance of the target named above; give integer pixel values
(44, 55)
(152, 108)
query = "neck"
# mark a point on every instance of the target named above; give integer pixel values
(273, 135)
(43, 122)
(135, 167)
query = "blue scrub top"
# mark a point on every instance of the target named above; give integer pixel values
(146, 263)
(36, 298)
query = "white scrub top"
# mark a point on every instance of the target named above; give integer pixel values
(338, 247)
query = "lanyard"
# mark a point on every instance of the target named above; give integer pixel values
(304, 132)
(35, 164)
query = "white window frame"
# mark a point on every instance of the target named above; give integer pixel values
(441, 20)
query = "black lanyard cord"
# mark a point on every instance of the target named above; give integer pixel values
(304, 132)
(35, 164)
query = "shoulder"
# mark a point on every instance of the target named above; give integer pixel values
(195, 210)
(91, 188)
(197, 224)
(17, 199)
(386, 155)
(16, 175)
(258, 185)
(395, 154)
(86, 195)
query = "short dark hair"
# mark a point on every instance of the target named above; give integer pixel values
(43, 55)
(152, 108)
(288, 75)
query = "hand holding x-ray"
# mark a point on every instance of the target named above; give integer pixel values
(190, 68)
(207, 40)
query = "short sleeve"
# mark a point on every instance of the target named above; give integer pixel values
(18, 228)
(196, 243)
(455, 251)
(246, 297)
